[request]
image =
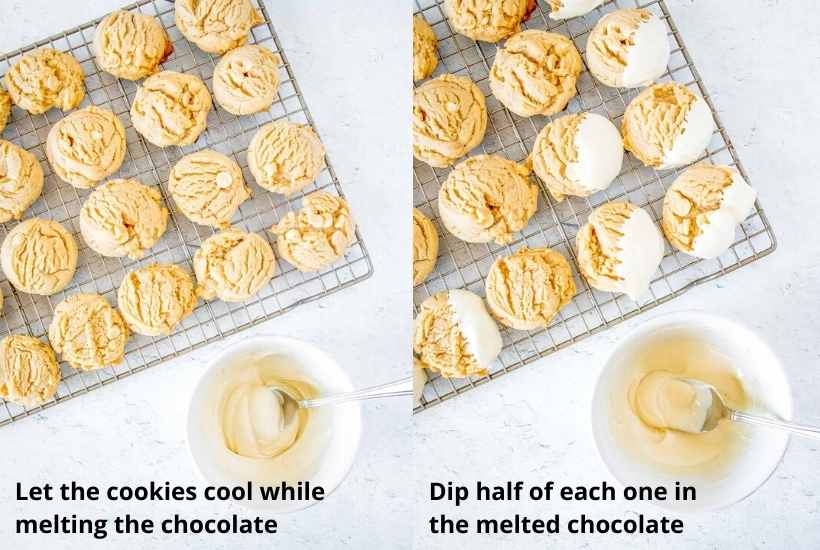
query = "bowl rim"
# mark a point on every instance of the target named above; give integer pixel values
(689, 316)
(272, 339)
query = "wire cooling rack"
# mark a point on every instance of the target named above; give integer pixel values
(226, 133)
(465, 265)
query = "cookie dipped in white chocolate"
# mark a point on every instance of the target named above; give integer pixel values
(567, 9)
(620, 249)
(703, 207)
(479, 329)
(455, 336)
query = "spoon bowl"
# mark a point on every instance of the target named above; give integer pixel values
(718, 410)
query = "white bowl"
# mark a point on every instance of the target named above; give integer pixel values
(343, 423)
(764, 380)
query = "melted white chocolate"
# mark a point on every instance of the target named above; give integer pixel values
(252, 416)
(656, 410)
(664, 400)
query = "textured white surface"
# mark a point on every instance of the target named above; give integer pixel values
(358, 88)
(697, 132)
(646, 60)
(718, 234)
(479, 330)
(534, 424)
(600, 154)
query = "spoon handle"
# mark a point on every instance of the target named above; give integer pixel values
(797, 429)
(391, 389)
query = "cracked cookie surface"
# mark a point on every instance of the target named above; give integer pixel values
(39, 256)
(154, 299)
(46, 78)
(208, 188)
(171, 108)
(21, 181)
(318, 234)
(216, 26)
(233, 265)
(284, 157)
(86, 146)
(29, 374)
(123, 217)
(449, 119)
(535, 72)
(87, 332)
(131, 45)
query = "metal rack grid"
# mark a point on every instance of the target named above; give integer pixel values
(555, 225)
(226, 133)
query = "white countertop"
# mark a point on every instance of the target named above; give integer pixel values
(759, 61)
(131, 432)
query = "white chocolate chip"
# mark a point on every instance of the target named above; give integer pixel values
(223, 180)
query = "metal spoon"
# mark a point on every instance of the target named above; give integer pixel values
(291, 404)
(718, 410)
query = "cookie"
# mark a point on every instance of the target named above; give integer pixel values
(455, 336)
(131, 45)
(39, 256)
(46, 78)
(318, 235)
(284, 157)
(628, 48)
(5, 108)
(425, 56)
(87, 332)
(577, 155)
(123, 218)
(216, 26)
(525, 290)
(171, 108)
(703, 207)
(208, 188)
(425, 247)
(487, 198)
(487, 20)
(535, 73)
(29, 374)
(246, 80)
(449, 119)
(619, 249)
(154, 299)
(667, 126)
(21, 181)
(233, 265)
(86, 146)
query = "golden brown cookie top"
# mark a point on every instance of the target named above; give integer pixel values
(487, 198)
(449, 119)
(29, 374)
(487, 20)
(46, 78)
(425, 247)
(535, 72)
(525, 290)
(86, 146)
(123, 217)
(87, 332)
(131, 45)
(318, 234)
(425, 56)
(216, 26)
(233, 265)
(154, 299)
(39, 256)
